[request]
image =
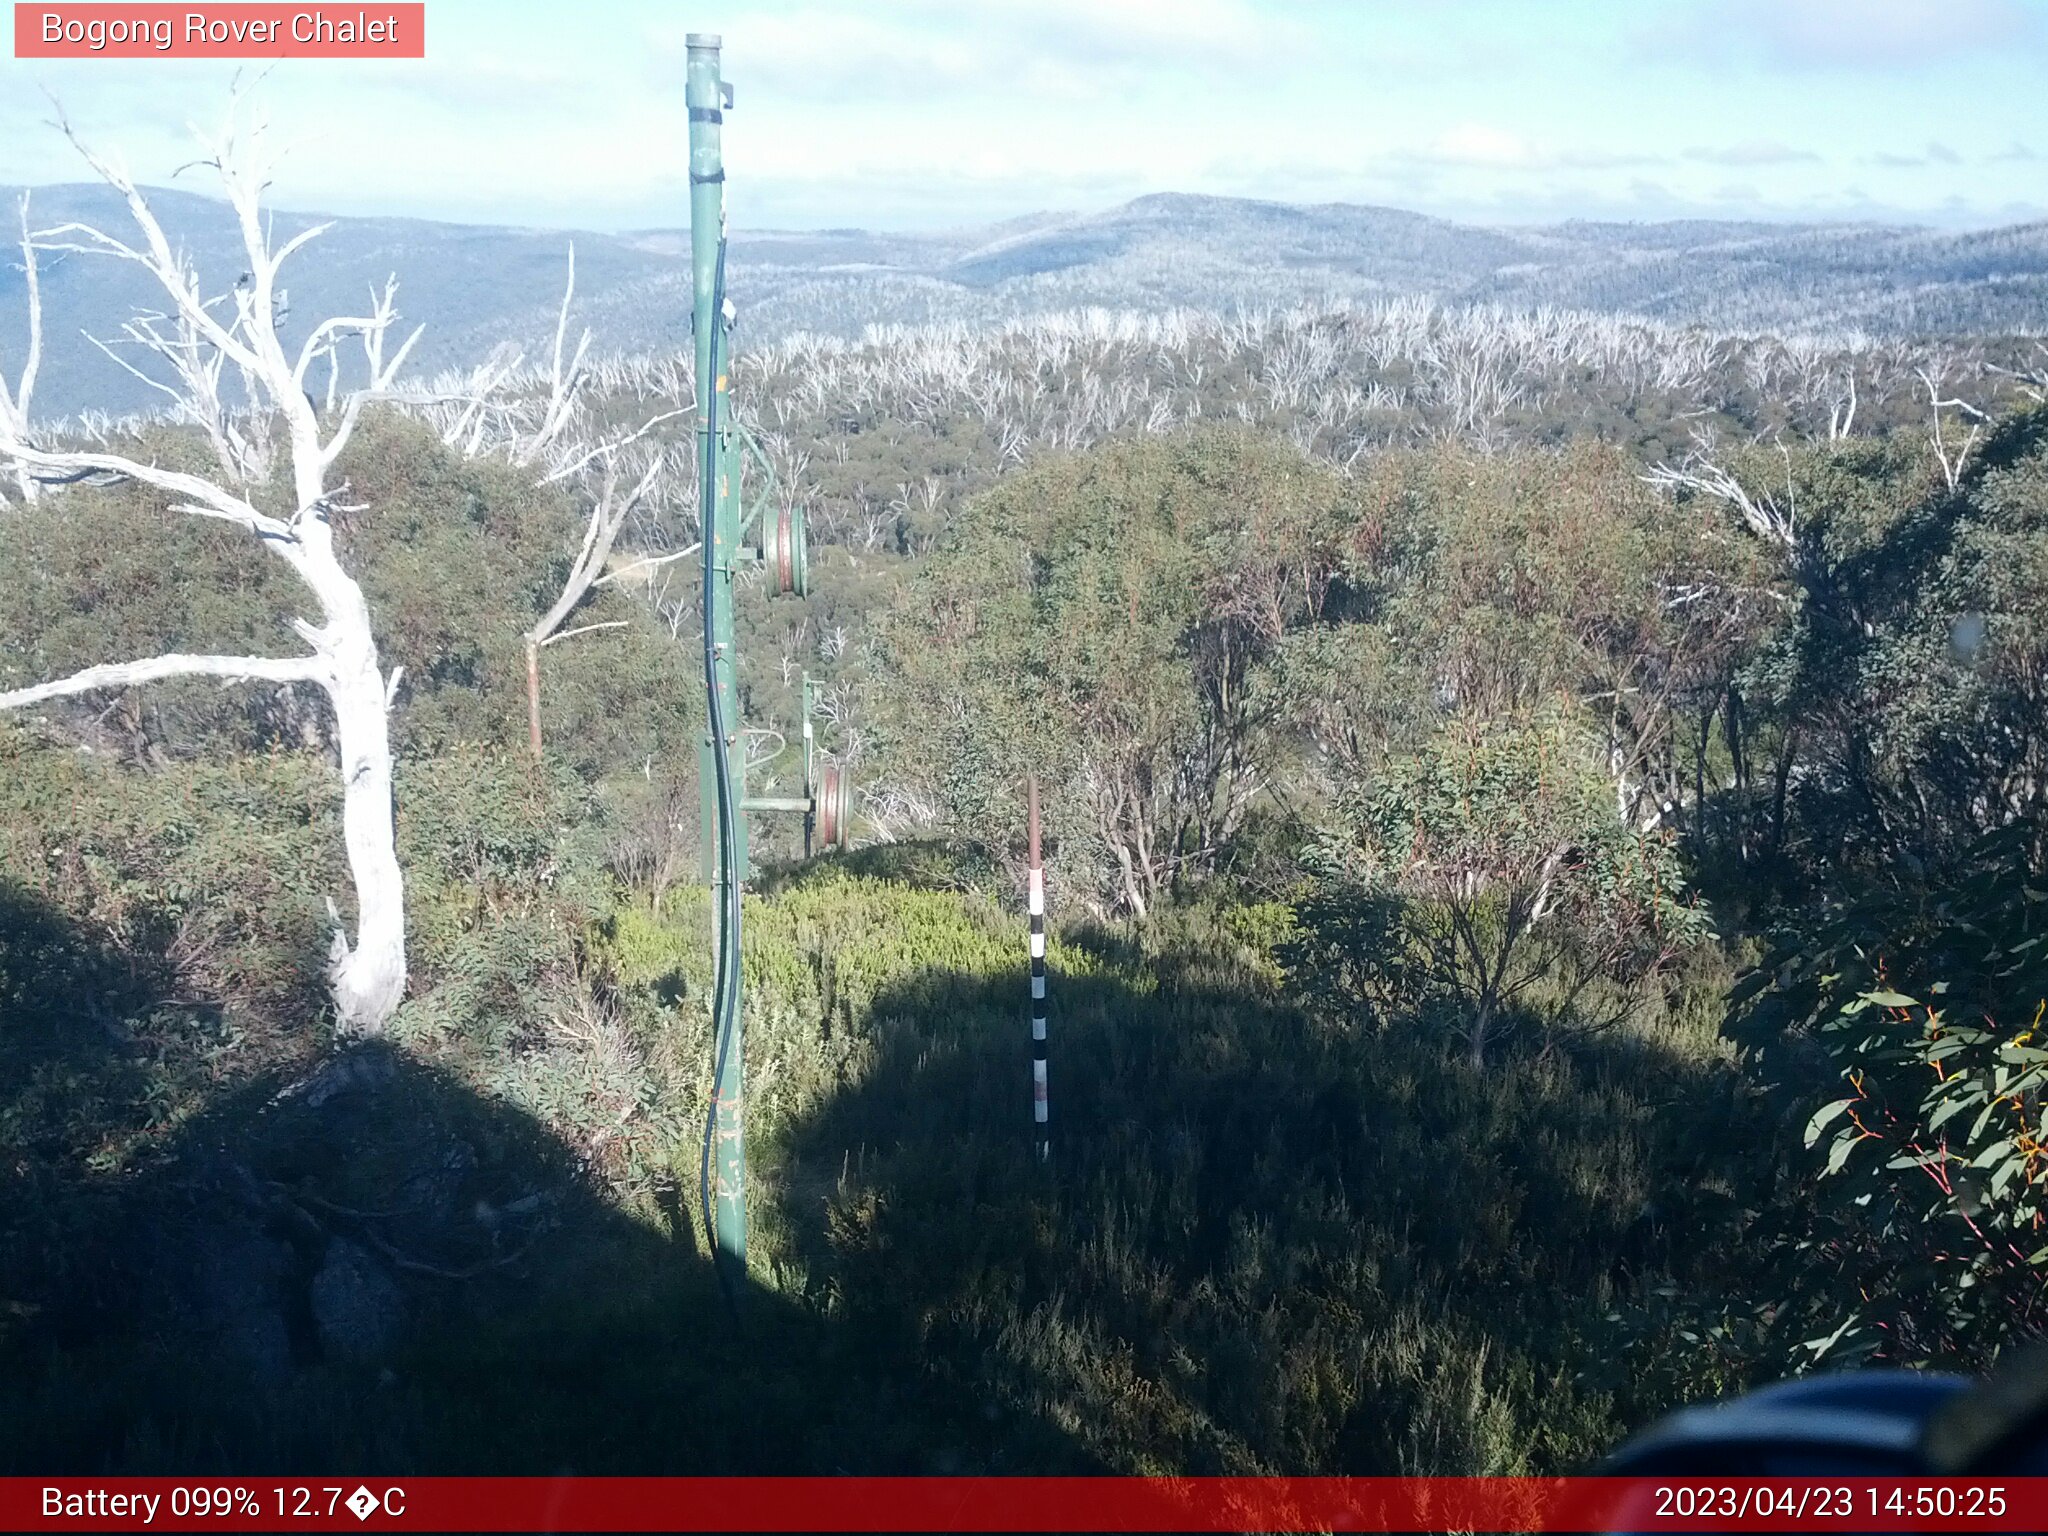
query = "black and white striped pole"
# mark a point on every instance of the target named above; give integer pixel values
(1041, 1105)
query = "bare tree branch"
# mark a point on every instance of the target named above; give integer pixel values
(127, 674)
(588, 456)
(1951, 460)
(1699, 472)
(15, 403)
(209, 499)
(584, 629)
(608, 513)
(649, 562)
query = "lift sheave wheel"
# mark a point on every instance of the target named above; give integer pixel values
(787, 554)
(835, 808)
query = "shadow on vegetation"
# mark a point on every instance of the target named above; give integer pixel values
(367, 1265)
(1261, 1244)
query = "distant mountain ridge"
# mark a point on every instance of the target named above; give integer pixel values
(474, 286)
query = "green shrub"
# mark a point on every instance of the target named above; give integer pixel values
(163, 937)
(1489, 869)
(1928, 999)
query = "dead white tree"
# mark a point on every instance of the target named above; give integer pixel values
(565, 385)
(601, 468)
(1842, 406)
(14, 403)
(1951, 456)
(618, 493)
(1700, 473)
(196, 340)
(2032, 379)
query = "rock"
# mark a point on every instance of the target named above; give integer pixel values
(230, 1289)
(358, 1309)
(202, 1278)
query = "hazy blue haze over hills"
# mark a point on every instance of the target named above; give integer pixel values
(474, 286)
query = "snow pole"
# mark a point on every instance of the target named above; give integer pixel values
(1041, 1104)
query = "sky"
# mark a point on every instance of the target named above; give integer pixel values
(921, 114)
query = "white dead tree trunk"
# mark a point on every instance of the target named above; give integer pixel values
(14, 403)
(1842, 407)
(197, 339)
(616, 494)
(2031, 379)
(1763, 512)
(612, 504)
(565, 385)
(1951, 456)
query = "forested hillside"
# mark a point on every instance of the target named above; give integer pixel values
(479, 287)
(1529, 795)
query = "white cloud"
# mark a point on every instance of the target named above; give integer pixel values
(1824, 34)
(1752, 152)
(1482, 145)
(1052, 48)
(1479, 144)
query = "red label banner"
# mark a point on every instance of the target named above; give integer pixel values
(1063, 1504)
(233, 31)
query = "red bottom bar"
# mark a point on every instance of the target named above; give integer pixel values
(1022, 1504)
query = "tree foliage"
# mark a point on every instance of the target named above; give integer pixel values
(1508, 884)
(1108, 621)
(1929, 1242)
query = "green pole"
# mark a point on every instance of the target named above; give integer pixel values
(726, 1167)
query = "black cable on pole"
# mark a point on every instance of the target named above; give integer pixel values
(725, 992)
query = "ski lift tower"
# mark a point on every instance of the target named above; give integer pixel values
(726, 450)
